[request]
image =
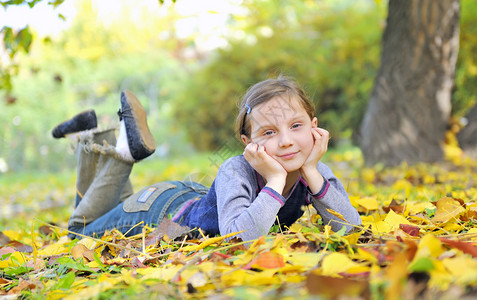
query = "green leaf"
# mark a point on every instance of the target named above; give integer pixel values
(8, 39)
(24, 39)
(342, 231)
(72, 264)
(423, 264)
(55, 3)
(66, 281)
(99, 262)
(17, 270)
(33, 3)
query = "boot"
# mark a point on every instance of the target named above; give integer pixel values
(82, 121)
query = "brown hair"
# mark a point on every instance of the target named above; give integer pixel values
(264, 91)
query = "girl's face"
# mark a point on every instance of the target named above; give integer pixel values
(283, 127)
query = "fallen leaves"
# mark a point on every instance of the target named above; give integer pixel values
(418, 239)
(448, 209)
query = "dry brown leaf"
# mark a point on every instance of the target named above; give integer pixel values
(331, 287)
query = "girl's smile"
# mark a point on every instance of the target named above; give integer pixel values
(288, 155)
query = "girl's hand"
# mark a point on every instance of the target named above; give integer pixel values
(320, 146)
(271, 170)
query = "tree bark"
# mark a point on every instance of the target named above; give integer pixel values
(410, 103)
(467, 137)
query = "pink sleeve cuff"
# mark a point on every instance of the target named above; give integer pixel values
(274, 195)
(322, 192)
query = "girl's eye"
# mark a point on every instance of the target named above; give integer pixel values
(268, 132)
(296, 125)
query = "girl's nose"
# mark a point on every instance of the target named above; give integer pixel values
(285, 140)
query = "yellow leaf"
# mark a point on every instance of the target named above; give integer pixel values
(396, 273)
(315, 218)
(448, 209)
(237, 277)
(3, 264)
(370, 203)
(88, 243)
(352, 238)
(368, 219)
(209, 242)
(265, 277)
(93, 264)
(394, 220)
(365, 255)
(378, 228)
(453, 227)
(304, 259)
(417, 207)
(117, 260)
(336, 214)
(241, 277)
(128, 277)
(16, 259)
(296, 227)
(165, 274)
(12, 235)
(463, 268)
(440, 277)
(53, 249)
(358, 269)
(429, 246)
(335, 263)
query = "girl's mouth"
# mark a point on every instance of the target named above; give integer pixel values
(288, 155)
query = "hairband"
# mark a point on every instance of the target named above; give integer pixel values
(248, 108)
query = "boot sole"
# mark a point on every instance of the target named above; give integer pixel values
(140, 118)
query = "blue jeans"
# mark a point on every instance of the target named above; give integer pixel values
(104, 198)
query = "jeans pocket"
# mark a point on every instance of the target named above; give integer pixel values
(196, 187)
(143, 200)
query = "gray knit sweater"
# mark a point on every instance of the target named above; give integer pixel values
(238, 201)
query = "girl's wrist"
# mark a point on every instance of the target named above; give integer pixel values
(276, 183)
(313, 178)
(309, 171)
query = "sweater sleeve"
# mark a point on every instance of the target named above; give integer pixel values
(334, 196)
(237, 207)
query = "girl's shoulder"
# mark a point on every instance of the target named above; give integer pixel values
(237, 167)
(237, 162)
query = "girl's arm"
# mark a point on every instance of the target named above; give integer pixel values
(240, 206)
(275, 175)
(333, 196)
(325, 190)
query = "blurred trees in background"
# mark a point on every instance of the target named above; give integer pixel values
(87, 67)
(331, 47)
(410, 103)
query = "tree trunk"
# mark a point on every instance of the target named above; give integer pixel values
(467, 137)
(410, 103)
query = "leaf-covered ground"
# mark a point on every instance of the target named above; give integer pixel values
(418, 240)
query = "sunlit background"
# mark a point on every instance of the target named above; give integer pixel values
(189, 62)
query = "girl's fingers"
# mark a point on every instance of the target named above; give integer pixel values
(322, 132)
(250, 148)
